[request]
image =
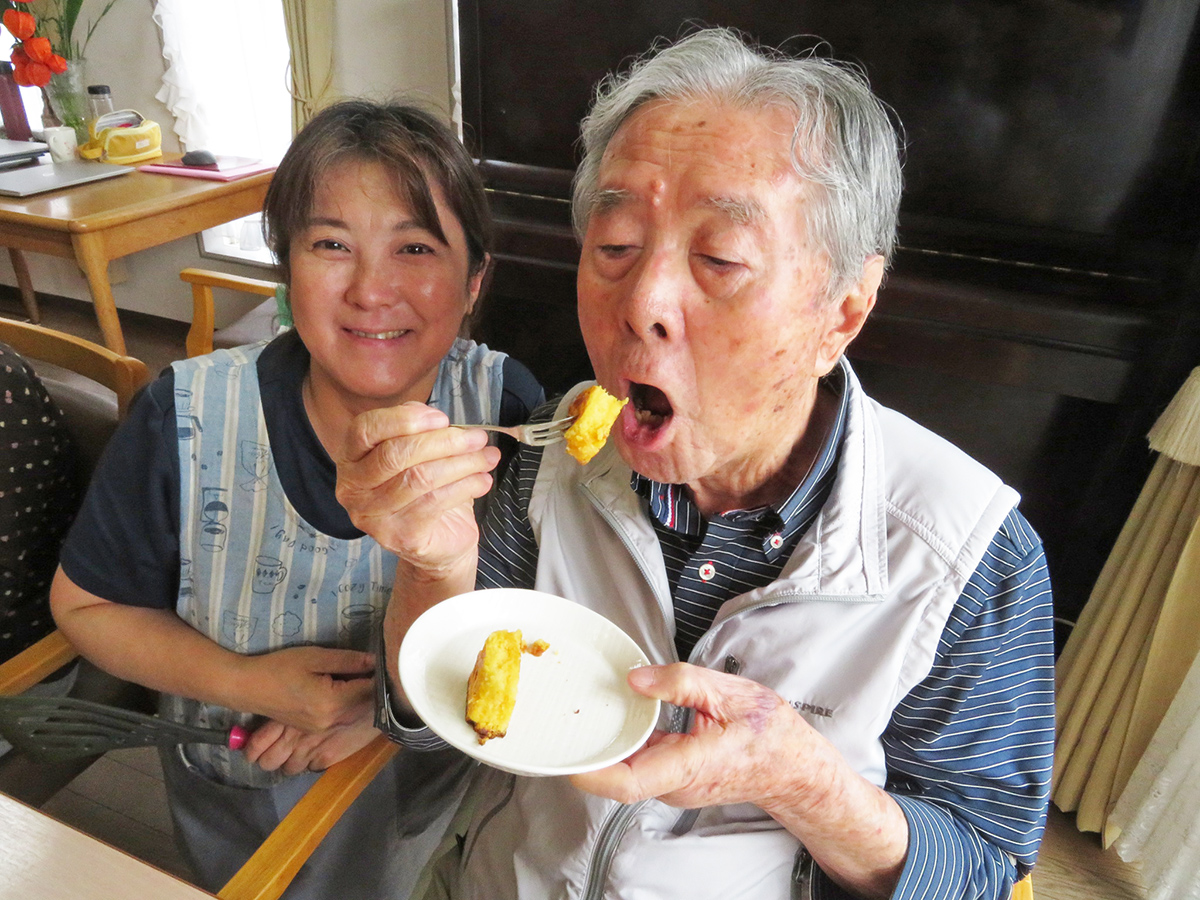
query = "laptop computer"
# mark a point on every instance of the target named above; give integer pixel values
(47, 176)
(20, 151)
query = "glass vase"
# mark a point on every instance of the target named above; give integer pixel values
(67, 94)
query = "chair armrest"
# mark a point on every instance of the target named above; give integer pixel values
(34, 663)
(273, 866)
(200, 335)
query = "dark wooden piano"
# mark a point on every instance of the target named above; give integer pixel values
(1044, 305)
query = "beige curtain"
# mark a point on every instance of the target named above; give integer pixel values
(310, 36)
(1139, 633)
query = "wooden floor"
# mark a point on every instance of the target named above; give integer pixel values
(121, 800)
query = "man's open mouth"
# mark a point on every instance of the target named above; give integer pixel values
(651, 408)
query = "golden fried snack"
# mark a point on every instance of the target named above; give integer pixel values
(595, 410)
(492, 687)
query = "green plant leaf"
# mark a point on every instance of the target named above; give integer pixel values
(70, 13)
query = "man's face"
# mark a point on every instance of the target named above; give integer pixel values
(701, 298)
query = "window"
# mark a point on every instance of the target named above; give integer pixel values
(227, 85)
(31, 97)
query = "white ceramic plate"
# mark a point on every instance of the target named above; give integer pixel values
(575, 711)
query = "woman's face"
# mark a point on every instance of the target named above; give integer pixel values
(376, 298)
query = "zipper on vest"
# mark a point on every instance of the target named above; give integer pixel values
(802, 875)
(605, 849)
(731, 664)
(619, 819)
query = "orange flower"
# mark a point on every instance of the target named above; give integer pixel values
(27, 72)
(57, 64)
(20, 25)
(38, 49)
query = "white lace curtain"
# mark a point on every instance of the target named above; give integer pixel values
(227, 75)
(1158, 815)
(226, 84)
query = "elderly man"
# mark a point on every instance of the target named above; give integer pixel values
(852, 612)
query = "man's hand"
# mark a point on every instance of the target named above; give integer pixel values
(313, 688)
(409, 481)
(277, 746)
(747, 745)
(732, 754)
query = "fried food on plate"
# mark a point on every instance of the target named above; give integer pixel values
(492, 685)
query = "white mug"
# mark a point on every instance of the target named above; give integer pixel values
(62, 141)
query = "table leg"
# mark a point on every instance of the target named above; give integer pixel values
(90, 255)
(25, 283)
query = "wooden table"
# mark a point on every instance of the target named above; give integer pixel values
(105, 220)
(46, 859)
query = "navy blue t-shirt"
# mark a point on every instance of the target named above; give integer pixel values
(124, 544)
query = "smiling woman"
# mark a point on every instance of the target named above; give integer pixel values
(253, 596)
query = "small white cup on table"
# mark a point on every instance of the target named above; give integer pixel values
(63, 143)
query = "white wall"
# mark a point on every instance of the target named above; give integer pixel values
(387, 49)
(384, 48)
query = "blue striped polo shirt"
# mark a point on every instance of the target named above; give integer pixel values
(714, 560)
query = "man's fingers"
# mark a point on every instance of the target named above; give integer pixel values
(679, 683)
(656, 769)
(719, 696)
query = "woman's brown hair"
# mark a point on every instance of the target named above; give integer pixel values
(406, 140)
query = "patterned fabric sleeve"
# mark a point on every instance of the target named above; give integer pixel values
(38, 497)
(969, 750)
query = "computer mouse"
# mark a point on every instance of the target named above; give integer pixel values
(201, 159)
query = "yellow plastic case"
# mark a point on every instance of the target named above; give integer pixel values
(124, 137)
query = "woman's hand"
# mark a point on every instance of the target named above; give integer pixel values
(312, 688)
(410, 481)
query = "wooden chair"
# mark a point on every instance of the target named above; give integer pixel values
(123, 375)
(93, 386)
(257, 322)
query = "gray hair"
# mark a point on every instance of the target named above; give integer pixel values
(844, 141)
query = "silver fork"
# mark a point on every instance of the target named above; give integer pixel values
(534, 435)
